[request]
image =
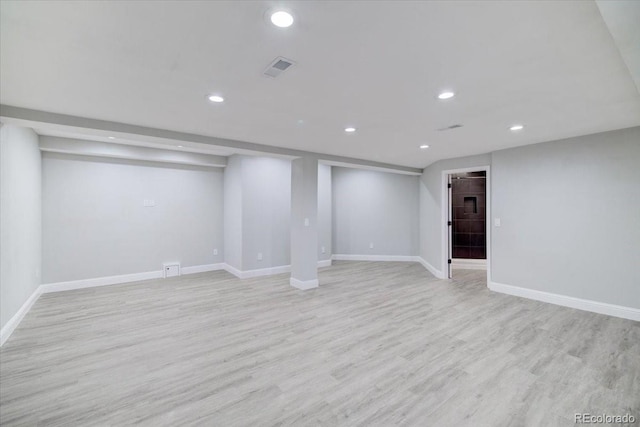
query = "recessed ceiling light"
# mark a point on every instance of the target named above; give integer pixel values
(350, 129)
(423, 146)
(111, 137)
(516, 127)
(216, 98)
(180, 146)
(281, 19)
(446, 95)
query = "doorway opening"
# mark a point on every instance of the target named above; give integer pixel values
(466, 238)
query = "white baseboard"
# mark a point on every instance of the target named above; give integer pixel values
(469, 264)
(203, 268)
(324, 263)
(303, 284)
(402, 258)
(439, 274)
(247, 274)
(567, 301)
(124, 278)
(231, 269)
(100, 281)
(13, 323)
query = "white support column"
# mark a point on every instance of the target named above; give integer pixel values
(304, 223)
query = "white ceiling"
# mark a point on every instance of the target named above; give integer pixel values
(376, 65)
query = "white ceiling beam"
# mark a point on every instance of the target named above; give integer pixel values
(36, 118)
(54, 144)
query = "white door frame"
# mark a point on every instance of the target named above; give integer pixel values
(444, 267)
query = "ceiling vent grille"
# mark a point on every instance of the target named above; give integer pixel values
(278, 66)
(450, 127)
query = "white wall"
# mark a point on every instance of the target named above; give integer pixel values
(257, 212)
(20, 218)
(95, 224)
(431, 220)
(570, 217)
(324, 212)
(266, 212)
(374, 207)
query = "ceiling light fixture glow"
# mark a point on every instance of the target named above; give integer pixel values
(446, 95)
(282, 19)
(216, 98)
(350, 129)
(111, 137)
(516, 127)
(180, 146)
(423, 146)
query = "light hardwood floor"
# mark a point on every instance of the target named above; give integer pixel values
(378, 344)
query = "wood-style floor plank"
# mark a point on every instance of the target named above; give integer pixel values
(378, 344)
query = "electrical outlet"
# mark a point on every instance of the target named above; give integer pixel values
(215, 252)
(322, 249)
(371, 245)
(259, 256)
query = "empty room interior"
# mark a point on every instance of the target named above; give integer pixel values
(358, 213)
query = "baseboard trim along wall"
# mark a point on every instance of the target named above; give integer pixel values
(100, 281)
(124, 278)
(232, 270)
(439, 274)
(13, 323)
(324, 263)
(400, 258)
(567, 301)
(303, 284)
(269, 271)
(202, 268)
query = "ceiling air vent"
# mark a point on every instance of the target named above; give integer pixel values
(450, 127)
(278, 66)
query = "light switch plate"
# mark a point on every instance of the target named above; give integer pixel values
(496, 222)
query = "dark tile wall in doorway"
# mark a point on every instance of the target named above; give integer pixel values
(468, 194)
